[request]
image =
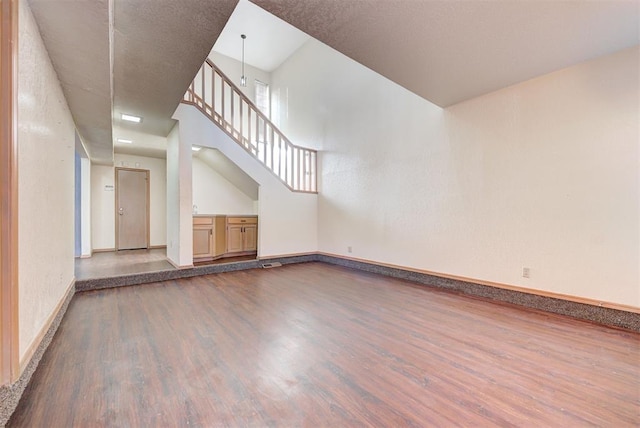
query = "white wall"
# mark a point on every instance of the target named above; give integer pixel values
(103, 200)
(213, 194)
(46, 141)
(179, 198)
(157, 192)
(85, 197)
(543, 174)
(233, 70)
(287, 220)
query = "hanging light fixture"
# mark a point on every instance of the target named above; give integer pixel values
(243, 79)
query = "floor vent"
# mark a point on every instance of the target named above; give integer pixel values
(271, 265)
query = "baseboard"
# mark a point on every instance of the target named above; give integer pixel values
(606, 313)
(543, 293)
(172, 263)
(26, 358)
(157, 247)
(103, 250)
(10, 394)
(280, 256)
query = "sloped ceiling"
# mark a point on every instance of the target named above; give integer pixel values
(215, 160)
(270, 40)
(451, 51)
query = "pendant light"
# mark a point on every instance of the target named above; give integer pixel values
(243, 79)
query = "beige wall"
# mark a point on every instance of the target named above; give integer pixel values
(543, 174)
(103, 199)
(46, 140)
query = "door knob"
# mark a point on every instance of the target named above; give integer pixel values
(121, 211)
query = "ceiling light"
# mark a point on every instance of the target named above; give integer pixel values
(131, 118)
(123, 141)
(195, 149)
(243, 79)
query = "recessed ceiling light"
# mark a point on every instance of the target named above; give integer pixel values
(123, 141)
(131, 118)
(195, 149)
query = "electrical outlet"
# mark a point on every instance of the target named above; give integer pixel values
(526, 272)
(349, 249)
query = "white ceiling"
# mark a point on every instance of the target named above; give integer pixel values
(270, 40)
(451, 51)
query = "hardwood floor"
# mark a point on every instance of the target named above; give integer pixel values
(319, 345)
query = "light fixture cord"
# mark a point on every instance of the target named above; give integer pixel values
(243, 80)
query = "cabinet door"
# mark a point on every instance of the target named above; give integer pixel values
(250, 238)
(202, 241)
(234, 238)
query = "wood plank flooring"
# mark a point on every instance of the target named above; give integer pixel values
(318, 345)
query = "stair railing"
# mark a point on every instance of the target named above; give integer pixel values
(215, 95)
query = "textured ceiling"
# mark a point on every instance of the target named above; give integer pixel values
(270, 40)
(159, 45)
(451, 51)
(444, 51)
(76, 35)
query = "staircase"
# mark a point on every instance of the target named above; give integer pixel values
(215, 95)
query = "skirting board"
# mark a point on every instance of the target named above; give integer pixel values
(10, 394)
(615, 317)
(562, 305)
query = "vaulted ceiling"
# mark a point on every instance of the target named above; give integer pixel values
(138, 56)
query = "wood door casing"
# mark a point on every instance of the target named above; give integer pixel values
(132, 208)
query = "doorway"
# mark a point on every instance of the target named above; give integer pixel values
(132, 208)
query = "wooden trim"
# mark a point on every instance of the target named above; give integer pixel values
(9, 333)
(115, 173)
(33, 347)
(282, 256)
(103, 250)
(577, 299)
(157, 247)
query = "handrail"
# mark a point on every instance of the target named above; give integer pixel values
(215, 95)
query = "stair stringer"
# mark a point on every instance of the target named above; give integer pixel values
(287, 220)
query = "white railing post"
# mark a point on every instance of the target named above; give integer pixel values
(295, 166)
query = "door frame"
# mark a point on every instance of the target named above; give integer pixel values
(148, 202)
(9, 304)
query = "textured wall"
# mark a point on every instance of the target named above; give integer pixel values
(543, 174)
(213, 194)
(46, 143)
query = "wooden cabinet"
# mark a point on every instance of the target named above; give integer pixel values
(208, 237)
(202, 237)
(242, 234)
